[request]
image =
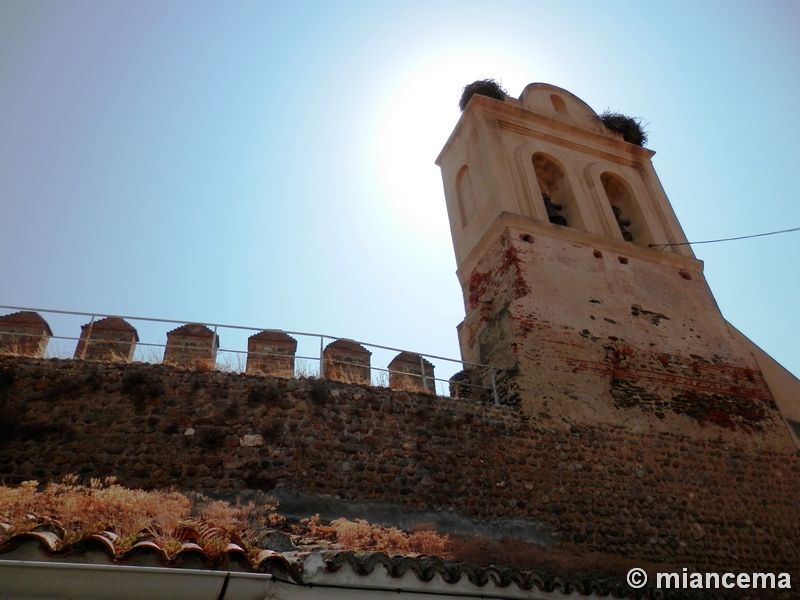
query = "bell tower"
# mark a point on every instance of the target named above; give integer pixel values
(577, 280)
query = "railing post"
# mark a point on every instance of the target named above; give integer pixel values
(88, 337)
(321, 359)
(494, 387)
(422, 371)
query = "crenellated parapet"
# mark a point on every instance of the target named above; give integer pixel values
(269, 352)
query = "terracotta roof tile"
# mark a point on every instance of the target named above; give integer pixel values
(424, 568)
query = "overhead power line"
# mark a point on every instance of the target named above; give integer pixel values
(741, 237)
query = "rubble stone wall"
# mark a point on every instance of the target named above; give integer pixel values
(657, 496)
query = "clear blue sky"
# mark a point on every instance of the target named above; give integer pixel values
(271, 164)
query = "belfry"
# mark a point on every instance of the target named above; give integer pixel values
(578, 280)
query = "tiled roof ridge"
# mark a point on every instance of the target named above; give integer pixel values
(424, 567)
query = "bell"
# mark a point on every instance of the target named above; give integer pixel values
(623, 223)
(552, 211)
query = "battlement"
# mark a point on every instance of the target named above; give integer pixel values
(269, 352)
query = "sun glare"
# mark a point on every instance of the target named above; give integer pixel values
(414, 126)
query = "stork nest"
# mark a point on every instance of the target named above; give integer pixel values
(630, 128)
(484, 87)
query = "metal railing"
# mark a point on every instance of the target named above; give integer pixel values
(379, 375)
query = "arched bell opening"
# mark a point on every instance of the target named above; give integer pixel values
(465, 196)
(627, 213)
(556, 190)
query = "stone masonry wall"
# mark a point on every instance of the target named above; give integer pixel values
(659, 497)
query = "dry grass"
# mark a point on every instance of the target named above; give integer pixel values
(345, 372)
(231, 362)
(153, 355)
(83, 510)
(305, 368)
(380, 378)
(63, 349)
(167, 517)
(15, 349)
(361, 535)
(170, 519)
(112, 356)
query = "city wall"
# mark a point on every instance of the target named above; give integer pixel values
(712, 504)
